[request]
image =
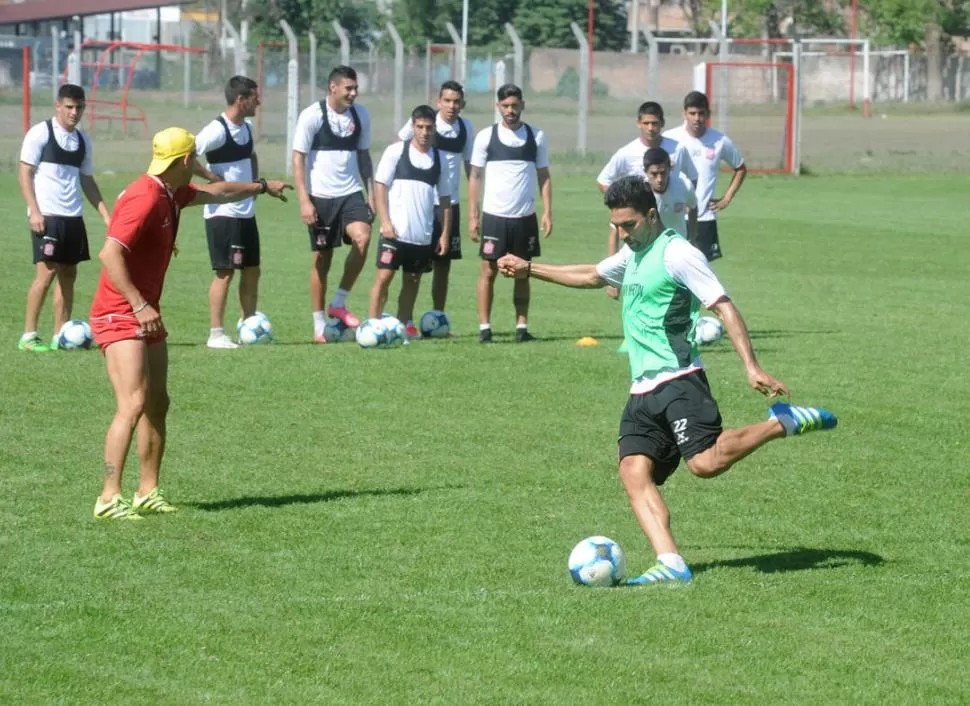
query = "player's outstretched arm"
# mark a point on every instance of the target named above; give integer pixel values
(738, 331)
(576, 276)
(230, 191)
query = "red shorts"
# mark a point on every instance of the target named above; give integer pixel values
(112, 328)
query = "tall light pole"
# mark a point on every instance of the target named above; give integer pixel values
(724, 18)
(463, 59)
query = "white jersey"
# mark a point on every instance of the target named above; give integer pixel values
(332, 173)
(688, 267)
(628, 161)
(211, 138)
(452, 162)
(57, 186)
(411, 201)
(674, 203)
(510, 184)
(707, 152)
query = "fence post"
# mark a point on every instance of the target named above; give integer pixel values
(721, 98)
(55, 60)
(344, 42)
(583, 86)
(313, 64)
(499, 81)
(867, 85)
(186, 72)
(906, 77)
(653, 61)
(292, 93)
(796, 60)
(398, 75)
(372, 84)
(74, 61)
(518, 53)
(239, 64)
(459, 50)
(25, 53)
(635, 27)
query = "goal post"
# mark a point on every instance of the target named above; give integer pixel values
(758, 103)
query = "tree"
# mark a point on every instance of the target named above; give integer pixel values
(545, 23)
(359, 19)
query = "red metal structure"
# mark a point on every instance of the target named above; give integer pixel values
(259, 78)
(122, 109)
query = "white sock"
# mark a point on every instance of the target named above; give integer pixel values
(521, 327)
(216, 332)
(319, 322)
(484, 327)
(28, 335)
(339, 298)
(673, 561)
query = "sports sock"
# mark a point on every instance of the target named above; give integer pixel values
(216, 332)
(673, 561)
(339, 298)
(28, 336)
(484, 327)
(521, 327)
(319, 322)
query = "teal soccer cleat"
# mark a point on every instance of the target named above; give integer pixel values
(799, 420)
(661, 573)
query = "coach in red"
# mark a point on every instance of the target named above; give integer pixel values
(126, 314)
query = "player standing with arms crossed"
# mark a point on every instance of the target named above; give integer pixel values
(513, 159)
(707, 149)
(405, 183)
(336, 192)
(671, 413)
(126, 315)
(230, 228)
(56, 167)
(453, 139)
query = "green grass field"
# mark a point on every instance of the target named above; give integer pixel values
(391, 527)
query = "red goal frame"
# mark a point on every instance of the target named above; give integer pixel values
(788, 70)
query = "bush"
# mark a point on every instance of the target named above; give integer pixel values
(568, 86)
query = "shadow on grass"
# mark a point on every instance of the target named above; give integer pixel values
(798, 559)
(306, 498)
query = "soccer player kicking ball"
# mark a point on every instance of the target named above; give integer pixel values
(405, 183)
(671, 413)
(126, 316)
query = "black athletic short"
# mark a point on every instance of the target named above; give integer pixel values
(454, 241)
(64, 241)
(333, 217)
(501, 236)
(394, 255)
(677, 420)
(233, 242)
(707, 241)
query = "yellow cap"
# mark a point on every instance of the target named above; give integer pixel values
(167, 146)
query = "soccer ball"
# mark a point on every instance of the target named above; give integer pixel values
(255, 329)
(371, 334)
(75, 334)
(337, 331)
(597, 561)
(397, 334)
(708, 330)
(434, 324)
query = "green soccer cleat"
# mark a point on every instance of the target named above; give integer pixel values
(115, 509)
(152, 504)
(34, 344)
(800, 420)
(661, 573)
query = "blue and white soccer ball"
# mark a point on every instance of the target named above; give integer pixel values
(255, 329)
(75, 334)
(597, 561)
(435, 324)
(372, 334)
(336, 331)
(397, 333)
(708, 330)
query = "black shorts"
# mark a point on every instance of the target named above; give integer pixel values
(64, 241)
(394, 255)
(677, 420)
(501, 236)
(707, 241)
(233, 242)
(333, 217)
(454, 242)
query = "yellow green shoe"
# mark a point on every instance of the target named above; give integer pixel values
(115, 509)
(153, 503)
(34, 344)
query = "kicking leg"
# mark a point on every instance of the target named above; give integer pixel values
(151, 432)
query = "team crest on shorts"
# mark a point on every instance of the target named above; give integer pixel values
(488, 247)
(48, 249)
(237, 257)
(387, 256)
(319, 241)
